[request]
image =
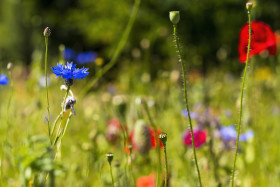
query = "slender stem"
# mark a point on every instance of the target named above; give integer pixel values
(117, 52)
(132, 174)
(166, 166)
(156, 140)
(241, 100)
(186, 99)
(113, 183)
(46, 77)
(60, 116)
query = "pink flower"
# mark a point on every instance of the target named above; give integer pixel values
(199, 138)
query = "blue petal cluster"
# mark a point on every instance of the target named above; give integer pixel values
(4, 80)
(80, 58)
(193, 115)
(70, 71)
(229, 133)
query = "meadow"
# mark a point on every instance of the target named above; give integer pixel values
(146, 113)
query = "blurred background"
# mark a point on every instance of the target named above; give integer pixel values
(208, 29)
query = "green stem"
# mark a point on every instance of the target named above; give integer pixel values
(46, 77)
(186, 100)
(117, 52)
(113, 183)
(61, 114)
(241, 100)
(146, 107)
(132, 174)
(166, 167)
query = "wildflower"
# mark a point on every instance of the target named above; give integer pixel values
(4, 80)
(86, 57)
(69, 71)
(263, 38)
(143, 138)
(229, 133)
(47, 32)
(110, 157)
(146, 181)
(199, 138)
(193, 115)
(69, 104)
(69, 54)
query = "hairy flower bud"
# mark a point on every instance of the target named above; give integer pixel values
(110, 157)
(47, 32)
(163, 138)
(142, 137)
(9, 65)
(174, 17)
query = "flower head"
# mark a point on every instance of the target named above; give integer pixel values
(199, 138)
(70, 71)
(228, 133)
(262, 38)
(113, 130)
(4, 80)
(146, 181)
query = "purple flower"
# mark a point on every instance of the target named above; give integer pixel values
(193, 115)
(70, 71)
(4, 80)
(229, 133)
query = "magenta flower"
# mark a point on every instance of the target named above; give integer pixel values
(199, 138)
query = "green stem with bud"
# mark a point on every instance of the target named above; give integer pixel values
(186, 99)
(46, 77)
(241, 99)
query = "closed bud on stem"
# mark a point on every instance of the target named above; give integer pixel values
(47, 32)
(249, 6)
(174, 17)
(110, 157)
(163, 138)
(9, 65)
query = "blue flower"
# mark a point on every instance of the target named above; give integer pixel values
(70, 71)
(229, 133)
(69, 54)
(4, 80)
(193, 115)
(86, 57)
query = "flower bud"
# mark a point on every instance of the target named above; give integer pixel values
(163, 138)
(142, 137)
(249, 6)
(9, 65)
(47, 32)
(110, 157)
(174, 17)
(69, 82)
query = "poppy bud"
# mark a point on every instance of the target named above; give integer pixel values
(47, 32)
(249, 6)
(163, 138)
(110, 157)
(174, 17)
(142, 137)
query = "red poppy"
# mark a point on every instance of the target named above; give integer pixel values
(199, 138)
(152, 138)
(113, 130)
(262, 38)
(146, 181)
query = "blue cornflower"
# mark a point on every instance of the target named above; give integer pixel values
(229, 133)
(69, 71)
(193, 115)
(69, 54)
(4, 80)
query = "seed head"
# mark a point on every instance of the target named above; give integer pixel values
(174, 17)
(163, 138)
(47, 32)
(110, 157)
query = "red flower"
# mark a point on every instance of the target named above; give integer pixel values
(262, 38)
(113, 131)
(199, 138)
(146, 181)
